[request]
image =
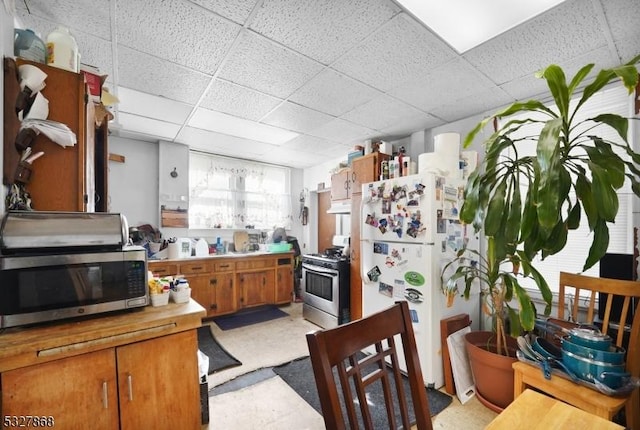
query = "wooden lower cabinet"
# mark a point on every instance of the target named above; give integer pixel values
(224, 294)
(147, 384)
(253, 287)
(72, 391)
(223, 285)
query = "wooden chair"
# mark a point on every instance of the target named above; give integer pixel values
(577, 395)
(340, 348)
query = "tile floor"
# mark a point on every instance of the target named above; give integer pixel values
(251, 396)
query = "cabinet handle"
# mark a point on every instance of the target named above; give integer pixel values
(213, 281)
(353, 177)
(346, 185)
(130, 386)
(197, 268)
(224, 266)
(105, 395)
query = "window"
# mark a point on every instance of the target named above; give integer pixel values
(232, 193)
(572, 257)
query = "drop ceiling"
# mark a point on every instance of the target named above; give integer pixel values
(299, 82)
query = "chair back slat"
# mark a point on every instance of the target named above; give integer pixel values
(338, 349)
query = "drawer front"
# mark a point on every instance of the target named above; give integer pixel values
(224, 266)
(195, 267)
(255, 264)
(161, 270)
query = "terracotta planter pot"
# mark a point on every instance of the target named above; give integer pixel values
(492, 373)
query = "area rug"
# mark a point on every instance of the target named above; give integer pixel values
(299, 375)
(219, 358)
(249, 316)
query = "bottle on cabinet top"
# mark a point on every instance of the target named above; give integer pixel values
(62, 50)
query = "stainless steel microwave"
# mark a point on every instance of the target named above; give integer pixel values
(39, 288)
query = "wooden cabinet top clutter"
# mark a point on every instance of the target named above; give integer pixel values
(63, 178)
(363, 170)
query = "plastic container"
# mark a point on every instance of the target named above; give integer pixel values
(159, 299)
(278, 247)
(27, 45)
(181, 296)
(62, 50)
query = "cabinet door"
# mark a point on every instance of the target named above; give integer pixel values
(73, 391)
(355, 281)
(202, 291)
(163, 269)
(366, 169)
(158, 383)
(253, 288)
(224, 301)
(284, 284)
(341, 185)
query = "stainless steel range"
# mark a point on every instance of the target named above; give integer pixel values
(325, 287)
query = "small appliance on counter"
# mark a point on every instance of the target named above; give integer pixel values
(58, 265)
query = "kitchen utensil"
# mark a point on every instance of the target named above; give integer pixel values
(240, 240)
(614, 355)
(611, 375)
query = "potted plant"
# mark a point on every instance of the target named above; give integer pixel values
(526, 205)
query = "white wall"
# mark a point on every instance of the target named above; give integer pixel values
(133, 185)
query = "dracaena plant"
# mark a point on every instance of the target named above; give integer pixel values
(526, 205)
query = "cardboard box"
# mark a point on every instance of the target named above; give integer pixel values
(94, 80)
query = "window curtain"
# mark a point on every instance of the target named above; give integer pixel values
(232, 193)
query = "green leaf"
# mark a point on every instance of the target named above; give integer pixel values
(527, 310)
(543, 287)
(584, 194)
(495, 210)
(529, 214)
(573, 220)
(579, 77)
(557, 239)
(604, 194)
(557, 83)
(617, 122)
(599, 245)
(514, 218)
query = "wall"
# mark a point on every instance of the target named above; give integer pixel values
(133, 185)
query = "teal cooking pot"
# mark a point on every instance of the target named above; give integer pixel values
(587, 369)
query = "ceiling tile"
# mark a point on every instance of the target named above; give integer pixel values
(158, 77)
(341, 131)
(89, 16)
(628, 48)
(406, 126)
(148, 126)
(529, 86)
(297, 118)
(237, 100)
(311, 144)
(452, 81)
(489, 100)
(570, 28)
(234, 126)
(158, 28)
(399, 51)
(235, 10)
(623, 17)
(298, 160)
(219, 143)
(382, 112)
(333, 93)
(325, 31)
(267, 67)
(143, 104)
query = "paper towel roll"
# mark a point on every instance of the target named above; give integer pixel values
(447, 144)
(173, 250)
(448, 166)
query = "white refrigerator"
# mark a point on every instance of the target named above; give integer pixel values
(410, 230)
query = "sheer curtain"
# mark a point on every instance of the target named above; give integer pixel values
(232, 193)
(572, 257)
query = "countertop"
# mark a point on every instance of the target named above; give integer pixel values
(227, 255)
(25, 346)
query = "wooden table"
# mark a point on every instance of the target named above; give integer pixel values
(532, 410)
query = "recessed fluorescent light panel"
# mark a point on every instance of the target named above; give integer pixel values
(465, 24)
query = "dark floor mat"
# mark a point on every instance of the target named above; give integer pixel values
(299, 375)
(249, 316)
(219, 358)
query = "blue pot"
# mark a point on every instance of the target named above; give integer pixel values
(613, 355)
(587, 369)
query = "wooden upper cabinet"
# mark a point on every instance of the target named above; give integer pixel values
(341, 185)
(63, 179)
(366, 169)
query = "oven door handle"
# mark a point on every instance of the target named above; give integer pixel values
(320, 270)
